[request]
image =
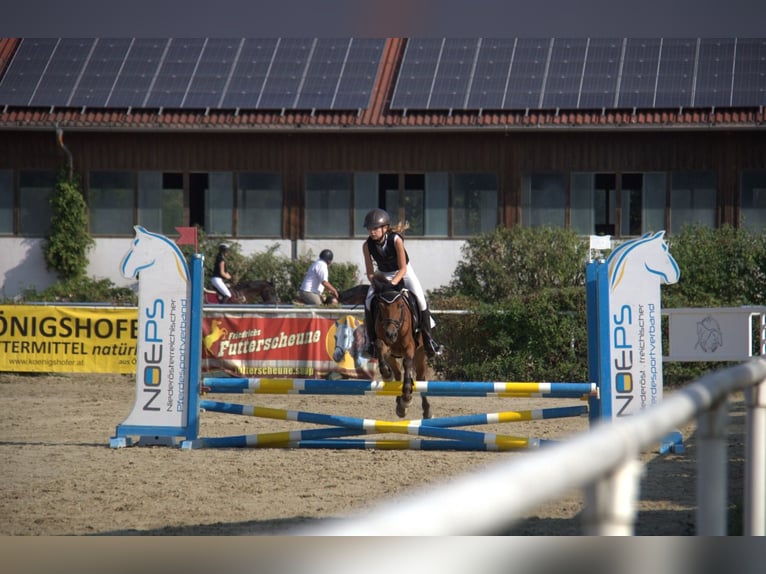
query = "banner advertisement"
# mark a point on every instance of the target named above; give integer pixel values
(294, 345)
(636, 269)
(63, 339)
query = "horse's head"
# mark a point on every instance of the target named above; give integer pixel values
(392, 312)
(650, 252)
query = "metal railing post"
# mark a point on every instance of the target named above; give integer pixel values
(712, 469)
(611, 501)
(755, 461)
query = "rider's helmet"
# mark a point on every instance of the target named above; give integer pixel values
(223, 247)
(376, 218)
(326, 256)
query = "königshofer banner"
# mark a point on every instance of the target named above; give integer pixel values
(635, 271)
(63, 339)
(296, 345)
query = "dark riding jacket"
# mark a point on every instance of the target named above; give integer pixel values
(385, 255)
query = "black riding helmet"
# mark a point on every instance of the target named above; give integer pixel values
(223, 247)
(326, 256)
(376, 218)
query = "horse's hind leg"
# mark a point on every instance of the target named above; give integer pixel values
(426, 407)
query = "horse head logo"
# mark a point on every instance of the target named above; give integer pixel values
(648, 254)
(155, 254)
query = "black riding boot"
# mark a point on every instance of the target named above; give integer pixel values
(431, 347)
(369, 323)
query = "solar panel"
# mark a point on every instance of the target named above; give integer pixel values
(100, 73)
(602, 70)
(137, 73)
(565, 71)
(340, 73)
(457, 61)
(416, 75)
(286, 74)
(250, 72)
(358, 75)
(675, 79)
(62, 72)
(212, 73)
(25, 70)
(174, 76)
(749, 72)
(490, 77)
(525, 82)
(638, 81)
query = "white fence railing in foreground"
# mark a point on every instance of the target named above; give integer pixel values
(605, 463)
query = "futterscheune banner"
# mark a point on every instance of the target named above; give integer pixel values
(636, 270)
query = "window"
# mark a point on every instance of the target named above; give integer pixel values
(692, 200)
(752, 189)
(543, 200)
(6, 202)
(474, 203)
(160, 201)
(110, 202)
(35, 189)
(259, 205)
(643, 203)
(594, 205)
(328, 197)
(365, 199)
(422, 201)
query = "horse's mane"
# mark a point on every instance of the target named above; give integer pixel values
(381, 284)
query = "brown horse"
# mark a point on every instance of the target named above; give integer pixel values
(396, 339)
(249, 293)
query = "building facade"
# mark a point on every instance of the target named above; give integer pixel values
(304, 179)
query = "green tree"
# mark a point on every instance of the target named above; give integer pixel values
(66, 248)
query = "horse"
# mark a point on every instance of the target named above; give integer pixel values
(248, 293)
(354, 295)
(253, 292)
(650, 253)
(396, 339)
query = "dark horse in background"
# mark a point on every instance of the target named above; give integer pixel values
(397, 339)
(354, 295)
(247, 293)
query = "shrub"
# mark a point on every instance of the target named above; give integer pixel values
(66, 248)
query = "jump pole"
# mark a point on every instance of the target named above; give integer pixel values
(350, 426)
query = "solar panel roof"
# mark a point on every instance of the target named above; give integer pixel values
(580, 73)
(201, 73)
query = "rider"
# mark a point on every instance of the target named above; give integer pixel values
(385, 246)
(220, 274)
(317, 280)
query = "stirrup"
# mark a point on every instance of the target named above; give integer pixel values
(433, 349)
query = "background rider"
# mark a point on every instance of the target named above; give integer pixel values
(220, 275)
(317, 280)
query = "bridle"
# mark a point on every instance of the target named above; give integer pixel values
(388, 300)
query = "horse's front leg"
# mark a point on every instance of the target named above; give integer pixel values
(405, 399)
(384, 358)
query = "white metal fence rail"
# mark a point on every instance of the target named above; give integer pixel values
(605, 463)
